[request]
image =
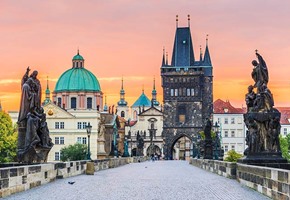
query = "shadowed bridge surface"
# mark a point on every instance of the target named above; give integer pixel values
(147, 180)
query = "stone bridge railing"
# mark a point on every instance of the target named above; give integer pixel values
(19, 178)
(272, 182)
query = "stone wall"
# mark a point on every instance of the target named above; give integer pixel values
(226, 169)
(19, 178)
(275, 183)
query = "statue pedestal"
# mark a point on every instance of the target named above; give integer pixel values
(263, 158)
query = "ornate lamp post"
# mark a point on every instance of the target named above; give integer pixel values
(89, 129)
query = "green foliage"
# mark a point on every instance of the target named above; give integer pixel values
(285, 146)
(202, 135)
(73, 152)
(233, 156)
(8, 139)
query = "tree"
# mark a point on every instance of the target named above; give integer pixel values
(8, 139)
(285, 146)
(233, 156)
(73, 152)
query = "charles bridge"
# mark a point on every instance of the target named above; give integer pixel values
(139, 178)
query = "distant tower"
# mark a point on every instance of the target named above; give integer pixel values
(122, 108)
(47, 94)
(187, 91)
(154, 95)
(105, 106)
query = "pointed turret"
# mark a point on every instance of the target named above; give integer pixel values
(47, 93)
(78, 61)
(122, 101)
(163, 58)
(206, 59)
(154, 95)
(182, 54)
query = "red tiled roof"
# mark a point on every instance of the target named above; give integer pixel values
(285, 114)
(220, 106)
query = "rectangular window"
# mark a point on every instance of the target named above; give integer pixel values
(285, 131)
(232, 120)
(176, 92)
(233, 134)
(59, 101)
(226, 134)
(219, 120)
(233, 147)
(79, 125)
(172, 92)
(61, 125)
(84, 140)
(61, 140)
(89, 103)
(226, 148)
(56, 125)
(226, 120)
(73, 102)
(56, 140)
(79, 140)
(56, 156)
(192, 92)
(187, 92)
(84, 125)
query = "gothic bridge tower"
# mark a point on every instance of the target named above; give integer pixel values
(187, 90)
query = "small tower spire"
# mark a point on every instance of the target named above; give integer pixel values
(47, 93)
(163, 57)
(188, 19)
(143, 88)
(154, 83)
(166, 58)
(176, 21)
(200, 57)
(206, 59)
(154, 101)
(105, 106)
(122, 101)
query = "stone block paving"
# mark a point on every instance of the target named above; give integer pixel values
(148, 180)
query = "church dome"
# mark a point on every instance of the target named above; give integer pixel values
(77, 79)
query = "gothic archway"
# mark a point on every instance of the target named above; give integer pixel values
(153, 149)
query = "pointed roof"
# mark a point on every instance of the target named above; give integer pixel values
(78, 56)
(122, 101)
(206, 59)
(183, 54)
(143, 100)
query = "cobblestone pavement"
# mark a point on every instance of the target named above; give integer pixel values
(149, 180)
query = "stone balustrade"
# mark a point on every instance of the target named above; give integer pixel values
(17, 178)
(272, 182)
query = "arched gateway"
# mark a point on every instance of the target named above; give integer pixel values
(187, 91)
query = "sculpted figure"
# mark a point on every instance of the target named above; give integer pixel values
(25, 103)
(250, 97)
(260, 71)
(274, 131)
(267, 96)
(207, 129)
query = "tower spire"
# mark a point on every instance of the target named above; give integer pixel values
(105, 106)
(188, 19)
(206, 59)
(154, 101)
(47, 93)
(122, 101)
(163, 57)
(166, 58)
(200, 57)
(176, 21)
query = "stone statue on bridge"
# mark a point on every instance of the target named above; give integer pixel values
(261, 119)
(34, 142)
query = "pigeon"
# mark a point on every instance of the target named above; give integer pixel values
(71, 182)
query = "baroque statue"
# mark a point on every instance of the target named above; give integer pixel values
(262, 119)
(34, 142)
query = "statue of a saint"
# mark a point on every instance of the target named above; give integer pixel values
(260, 71)
(250, 97)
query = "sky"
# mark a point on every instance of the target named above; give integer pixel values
(125, 38)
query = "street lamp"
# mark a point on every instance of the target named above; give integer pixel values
(89, 130)
(216, 130)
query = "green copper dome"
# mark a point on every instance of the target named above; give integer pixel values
(78, 57)
(77, 79)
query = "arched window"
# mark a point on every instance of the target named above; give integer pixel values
(89, 103)
(135, 114)
(73, 102)
(122, 114)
